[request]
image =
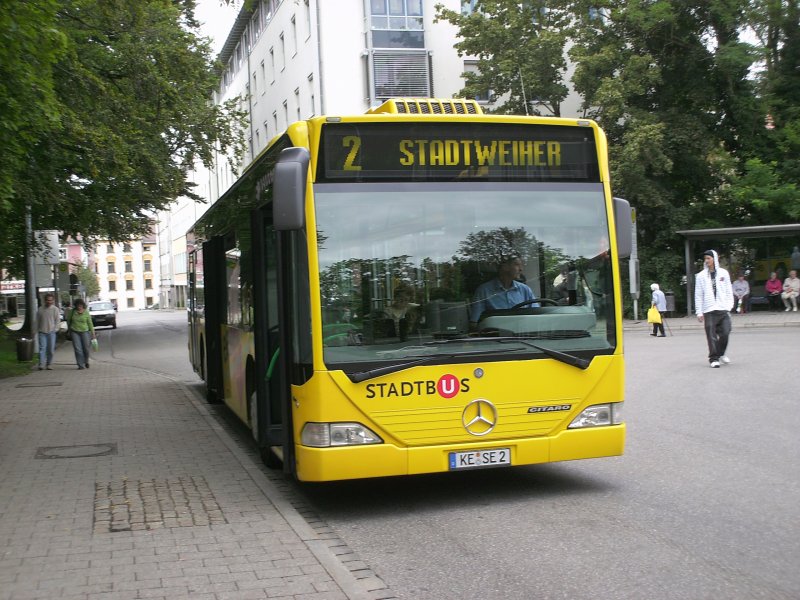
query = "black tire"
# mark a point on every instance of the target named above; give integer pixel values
(114, 325)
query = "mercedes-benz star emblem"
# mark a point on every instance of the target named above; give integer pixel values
(479, 417)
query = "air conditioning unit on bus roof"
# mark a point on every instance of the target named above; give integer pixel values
(428, 106)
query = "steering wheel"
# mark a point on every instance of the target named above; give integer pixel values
(549, 301)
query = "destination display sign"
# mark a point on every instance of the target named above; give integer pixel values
(454, 151)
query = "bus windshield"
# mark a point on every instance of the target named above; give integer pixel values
(414, 270)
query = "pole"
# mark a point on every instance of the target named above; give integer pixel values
(524, 96)
(31, 303)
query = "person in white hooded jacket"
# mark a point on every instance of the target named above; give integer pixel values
(713, 300)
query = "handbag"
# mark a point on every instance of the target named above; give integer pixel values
(653, 316)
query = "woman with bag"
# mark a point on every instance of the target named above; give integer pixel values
(81, 327)
(655, 315)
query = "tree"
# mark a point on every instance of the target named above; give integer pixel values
(29, 108)
(88, 279)
(669, 82)
(132, 92)
(520, 52)
(672, 84)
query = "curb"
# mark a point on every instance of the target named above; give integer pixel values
(355, 588)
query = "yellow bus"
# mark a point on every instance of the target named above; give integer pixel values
(422, 288)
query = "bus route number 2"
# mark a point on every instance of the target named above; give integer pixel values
(353, 142)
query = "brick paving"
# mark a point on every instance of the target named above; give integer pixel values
(118, 483)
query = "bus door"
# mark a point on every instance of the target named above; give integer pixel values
(192, 313)
(215, 310)
(273, 440)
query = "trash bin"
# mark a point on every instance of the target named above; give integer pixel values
(670, 298)
(24, 349)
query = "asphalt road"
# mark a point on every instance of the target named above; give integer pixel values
(702, 505)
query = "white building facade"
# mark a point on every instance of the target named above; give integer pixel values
(289, 60)
(128, 273)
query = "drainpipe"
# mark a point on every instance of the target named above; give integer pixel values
(370, 54)
(319, 58)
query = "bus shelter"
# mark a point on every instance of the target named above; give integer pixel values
(693, 236)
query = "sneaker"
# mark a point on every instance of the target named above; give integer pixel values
(41, 367)
(794, 309)
(724, 360)
(653, 334)
(787, 309)
(49, 368)
(715, 364)
(87, 365)
(81, 368)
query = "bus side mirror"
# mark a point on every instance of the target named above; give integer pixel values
(622, 218)
(289, 189)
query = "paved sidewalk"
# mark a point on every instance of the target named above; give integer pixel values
(756, 319)
(118, 483)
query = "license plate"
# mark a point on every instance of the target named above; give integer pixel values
(475, 459)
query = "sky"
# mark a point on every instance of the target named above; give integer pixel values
(216, 20)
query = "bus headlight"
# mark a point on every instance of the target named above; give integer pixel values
(598, 415)
(325, 435)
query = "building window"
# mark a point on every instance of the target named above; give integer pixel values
(109, 249)
(307, 10)
(397, 24)
(401, 74)
(263, 74)
(283, 51)
(112, 286)
(130, 302)
(286, 112)
(147, 265)
(311, 94)
(126, 248)
(468, 7)
(148, 284)
(129, 284)
(148, 300)
(294, 35)
(297, 101)
(128, 266)
(272, 63)
(146, 247)
(110, 266)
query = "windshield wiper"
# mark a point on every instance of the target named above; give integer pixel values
(379, 371)
(570, 359)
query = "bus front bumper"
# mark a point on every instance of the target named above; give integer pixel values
(385, 460)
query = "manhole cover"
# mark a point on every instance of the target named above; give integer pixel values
(134, 505)
(76, 451)
(42, 384)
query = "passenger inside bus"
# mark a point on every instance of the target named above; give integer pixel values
(503, 292)
(402, 312)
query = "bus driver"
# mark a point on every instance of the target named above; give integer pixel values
(504, 291)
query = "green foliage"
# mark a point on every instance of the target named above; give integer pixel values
(28, 105)
(130, 95)
(88, 278)
(9, 365)
(683, 96)
(520, 51)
